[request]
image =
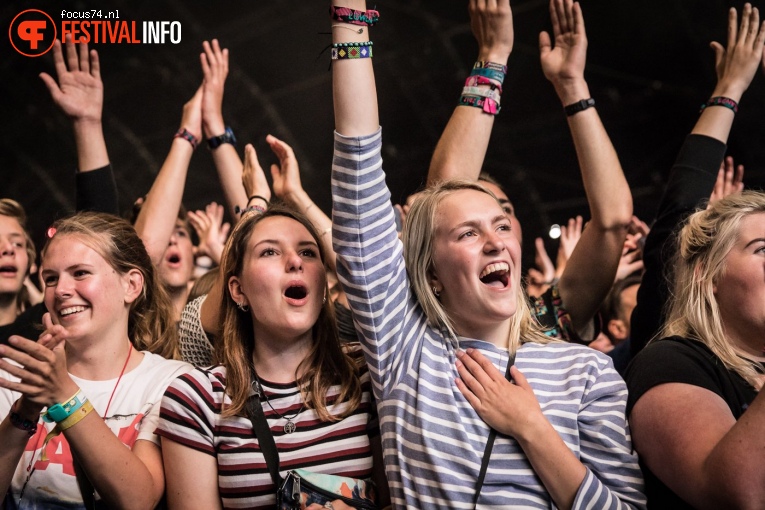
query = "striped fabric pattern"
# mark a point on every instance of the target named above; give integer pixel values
(190, 415)
(433, 440)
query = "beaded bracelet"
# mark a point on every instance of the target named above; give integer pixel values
(352, 52)
(721, 101)
(473, 81)
(347, 15)
(75, 418)
(351, 44)
(482, 92)
(492, 74)
(18, 421)
(485, 64)
(186, 135)
(487, 104)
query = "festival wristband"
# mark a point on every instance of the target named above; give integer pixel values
(59, 412)
(473, 81)
(347, 15)
(18, 421)
(186, 135)
(76, 417)
(721, 101)
(492, 74)
(483, 92)
(488, 105)
(358, 50)
(485, 64)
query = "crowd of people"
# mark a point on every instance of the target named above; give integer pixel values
(393, 355)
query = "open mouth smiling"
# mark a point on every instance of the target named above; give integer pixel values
(496, 275)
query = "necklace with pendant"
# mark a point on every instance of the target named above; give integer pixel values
(290, 426)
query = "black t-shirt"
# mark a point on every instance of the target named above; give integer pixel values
(28, 324)
(680, 360)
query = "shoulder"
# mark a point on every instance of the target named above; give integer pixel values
(563, 354)
(673, 360)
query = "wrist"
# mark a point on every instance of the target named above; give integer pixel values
(493, 55)
(572, 91)
(728, 91)
(214, 127)
(535, 428)
(298, 199)
(27, 409)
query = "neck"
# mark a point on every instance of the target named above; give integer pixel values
(95, 362)
(746, 344)
(497, 334)
(277, 359)
(9, 309)
(178, 296)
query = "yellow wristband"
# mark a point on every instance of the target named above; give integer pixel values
(75, 418)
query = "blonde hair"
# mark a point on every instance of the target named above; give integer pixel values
(150, 323)
(418, 237)
(702, 247)
(326, 365)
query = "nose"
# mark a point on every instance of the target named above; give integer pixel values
(6, 246)
(494, 243)
(64, 287)
(294, 262)
(173, 239)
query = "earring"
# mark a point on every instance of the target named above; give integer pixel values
(242, 306)
(324, 301)
(436, 292)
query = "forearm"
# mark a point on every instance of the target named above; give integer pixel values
(117, 474)
(229, 166)
(159, 211)
(91, 146)
(353, 85)
(608, 193)
(555, 464)
(14, 441)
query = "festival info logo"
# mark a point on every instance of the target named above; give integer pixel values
(32, 33)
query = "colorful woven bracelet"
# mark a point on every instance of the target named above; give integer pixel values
(482, 92)
(485, 64)
(473, 81)
(186, 135)
(352, 52)
(241, 212)
(721, 101)
(486, 104)
(352, 44)
(18, 421)
(347, 15)
(75, 418)
(492, 74)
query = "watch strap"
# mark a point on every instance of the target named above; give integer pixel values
(579, 106)
(227, 137)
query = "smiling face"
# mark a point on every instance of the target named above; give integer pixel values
(177, 265)
(14, 260)
(740, 291)
(476, 264)
(507, 206)
(282, 279)
(84, 293)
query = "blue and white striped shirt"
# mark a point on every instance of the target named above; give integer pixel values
(433, 440)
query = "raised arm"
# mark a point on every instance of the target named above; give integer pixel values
(694, 173)
(592, 266)
(79, 93)
(462, 148)
(159, 211)
(227, 161)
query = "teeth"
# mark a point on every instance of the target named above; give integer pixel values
(502, 267)
(71, 310)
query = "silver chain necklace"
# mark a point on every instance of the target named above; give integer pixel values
(290, 426)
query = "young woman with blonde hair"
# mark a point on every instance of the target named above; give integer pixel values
(95, 372)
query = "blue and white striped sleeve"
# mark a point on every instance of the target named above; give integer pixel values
(613, 478)
(370, 261)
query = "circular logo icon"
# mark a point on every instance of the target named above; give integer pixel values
(32, 33)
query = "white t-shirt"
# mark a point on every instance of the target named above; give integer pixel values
(133, 415)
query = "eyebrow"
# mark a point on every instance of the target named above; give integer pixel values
(474, 223)
(70, 268)
(753, 241)
(276, 241)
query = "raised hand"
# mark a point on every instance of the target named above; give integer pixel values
(79, 91)
(569, 237)
(211, 230)
(191, 119)
(492, 25)
(215, 69)
(730, 180)
(737, 64)
(564, 59)
(509, 408)
(253, 178)
(285, 175)
(541, 276)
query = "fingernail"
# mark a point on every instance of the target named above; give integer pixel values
(460, 353)
(459, 364)
(470, 350)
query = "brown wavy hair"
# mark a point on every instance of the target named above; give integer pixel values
(325, 366)
(150, 323)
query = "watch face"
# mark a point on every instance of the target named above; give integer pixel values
(227, 137)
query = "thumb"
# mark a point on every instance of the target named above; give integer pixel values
(518, 378)
(51, 84)
(276, 171)
(719, 52)
(545, 45)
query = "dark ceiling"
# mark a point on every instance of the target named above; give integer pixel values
(649, 68)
